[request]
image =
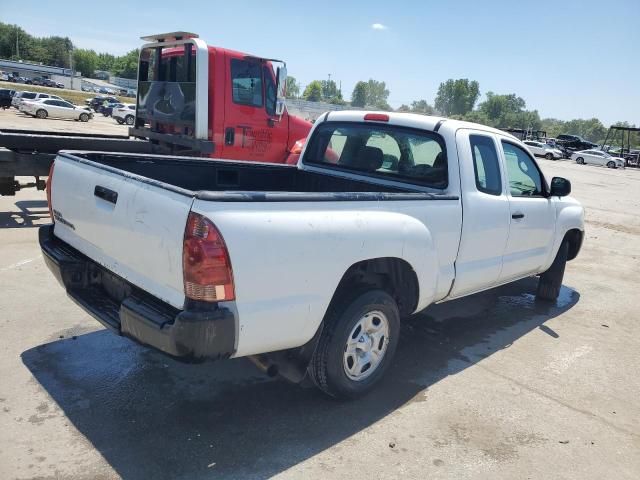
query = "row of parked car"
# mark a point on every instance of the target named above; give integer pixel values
(123, 113)
(550, 150)
(43, 105)
(123, 92)
(44, 82)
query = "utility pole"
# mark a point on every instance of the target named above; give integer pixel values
(71, 66)
(17, 44)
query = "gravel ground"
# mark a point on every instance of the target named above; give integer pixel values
(491, 386)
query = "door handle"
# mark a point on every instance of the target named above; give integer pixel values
(229, 136)
(517, 216)
(110, 196)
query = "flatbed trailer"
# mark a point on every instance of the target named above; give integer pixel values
(29, 153)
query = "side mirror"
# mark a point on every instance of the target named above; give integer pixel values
(560, 187)
(281, 90)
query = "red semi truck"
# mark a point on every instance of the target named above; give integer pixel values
(193, 99)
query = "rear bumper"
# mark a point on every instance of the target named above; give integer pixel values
(201, 331)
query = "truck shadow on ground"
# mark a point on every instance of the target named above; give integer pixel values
(152, 417)
(28, 213)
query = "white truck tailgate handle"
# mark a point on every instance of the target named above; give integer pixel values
(106, 194)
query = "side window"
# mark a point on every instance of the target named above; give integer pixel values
(486, 164)
(270, 91)
(49, 102)
(524, 177)
(246, 82)
(62, 103)
(44, 95)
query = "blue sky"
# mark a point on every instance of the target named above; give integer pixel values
(567, 59)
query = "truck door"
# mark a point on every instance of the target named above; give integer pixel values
(252, 130)
(485, 206)
(532, 214)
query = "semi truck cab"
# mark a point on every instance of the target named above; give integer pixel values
(202, 100)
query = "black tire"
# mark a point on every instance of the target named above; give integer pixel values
(42, 113)
(84, 117)
(580, 161)
(550, 281)
(611, 164)
(129, 120)
(549, 156)
(119, 120)
(327, 367)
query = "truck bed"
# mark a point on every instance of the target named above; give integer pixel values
(204, 177)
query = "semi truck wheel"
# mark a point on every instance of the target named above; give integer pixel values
(357, 344)
(550, 281)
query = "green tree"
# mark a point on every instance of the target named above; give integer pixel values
(457, 97)
(329, 90)
(85, 61)
(313, 92)
(403, 108)
(359, 95)
(105, 61)
(421, 106)
(498, 107)
(337, 99)
(126, 66)
(293, 88)
(377, 94)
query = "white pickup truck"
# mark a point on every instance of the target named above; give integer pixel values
(307, 269)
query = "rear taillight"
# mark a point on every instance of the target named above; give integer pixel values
(205, 262)
(48, 189)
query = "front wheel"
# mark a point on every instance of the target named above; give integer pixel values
(611, 164)
(129, 120)
(84, 117)
(119, 120)
(357, 344)
(550, 281)
(549, 156)
(580, 161)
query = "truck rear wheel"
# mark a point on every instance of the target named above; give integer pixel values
(550, 281)
(357, 344)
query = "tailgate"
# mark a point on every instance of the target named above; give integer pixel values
(131, 227)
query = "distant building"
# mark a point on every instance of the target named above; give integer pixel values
(32, 70)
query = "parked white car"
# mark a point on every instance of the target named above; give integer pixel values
(307, 270)
(33, 97)
(56, 108)
(126, 114)
(597, 157)
(540, 149)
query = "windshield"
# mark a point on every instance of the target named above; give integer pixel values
(28, 95)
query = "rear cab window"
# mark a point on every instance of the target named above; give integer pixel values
(383, 151)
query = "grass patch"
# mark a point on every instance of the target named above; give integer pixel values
(76, 97)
